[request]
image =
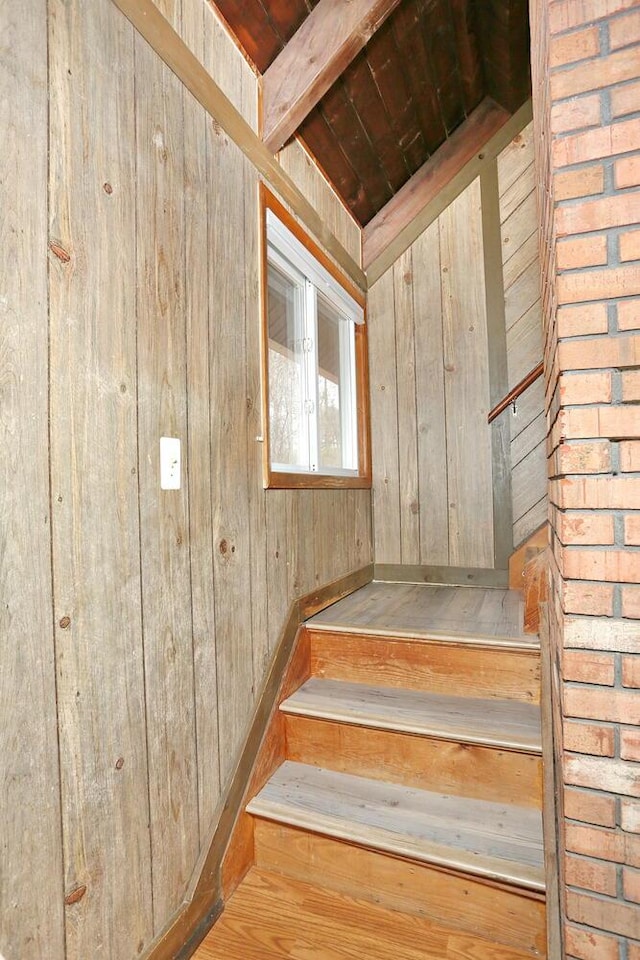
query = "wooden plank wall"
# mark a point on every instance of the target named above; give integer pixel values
(430, 381)
(430, 396)
(523, 318)
(151, 614)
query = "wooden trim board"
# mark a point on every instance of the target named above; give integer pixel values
(415, 573)
(440, 181)
(173, 51)
(203, 899)
(498, 371)
(322, 48)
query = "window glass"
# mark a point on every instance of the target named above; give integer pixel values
(315, 356)
(288, 426)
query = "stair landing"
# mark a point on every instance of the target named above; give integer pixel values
(420, 609)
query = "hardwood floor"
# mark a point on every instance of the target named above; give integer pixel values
(272, 917)
(416, 609)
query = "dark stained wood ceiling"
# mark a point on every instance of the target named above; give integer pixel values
(423, 72)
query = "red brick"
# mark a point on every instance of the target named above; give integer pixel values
(631, 602)
(582, 252)
(576, 114)
(597, 353)
(605, 914)
(630, 815)
(591, 738)
(630, 745)
(599, 214)
(631, 392)
(614, 422)
(633, 951)
(589, 807)
(590, 318)
(630, 245)
(624, 100)
(595, 75)
(617, 566)
(593, 875)
(574, 46)
(600, 493)
(585, 182)
(627, 172)
(589, 945)
(565, 14)
(631, 671)
(591, 599)
(601, 773)
(624, 31)
(629, 315)
(617, 635)
(595, 842)
(598, 284)
(587, 667)
(585, 528)
(585, 388)
(630, 884)
(630, 456)
(592, 703)
(584, 458)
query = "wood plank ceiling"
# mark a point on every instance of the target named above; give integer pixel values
(398, 98)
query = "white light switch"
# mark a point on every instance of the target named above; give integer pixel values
(169, 463)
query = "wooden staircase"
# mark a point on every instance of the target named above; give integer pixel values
(402, 819)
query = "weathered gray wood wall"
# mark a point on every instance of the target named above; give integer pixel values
(523, 317)
(137, 624)
(430, 389)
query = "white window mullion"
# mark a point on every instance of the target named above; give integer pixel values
(311, 367)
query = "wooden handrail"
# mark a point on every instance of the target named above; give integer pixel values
(519, 388)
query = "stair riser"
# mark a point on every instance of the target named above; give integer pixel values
(427, 763)
(489, 911)
(441, 667)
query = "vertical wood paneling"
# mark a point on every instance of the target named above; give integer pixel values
(466, 382)
(198, 346)
(433, 362)
(231, 544)
(31, 892)
(524, 332)
(167, 604)
(430, 403)
(407, 420)
(164, 514)
(96, 538)
(384, 421)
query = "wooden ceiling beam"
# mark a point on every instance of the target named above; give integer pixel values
(437, 183)
(329, 39)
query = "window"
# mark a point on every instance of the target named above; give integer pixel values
(315, 360)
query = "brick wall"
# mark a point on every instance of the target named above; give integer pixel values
(586, 80)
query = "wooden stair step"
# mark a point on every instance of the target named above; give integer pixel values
(439, 665)
(507, 724)
(484, 838)
(272, 917)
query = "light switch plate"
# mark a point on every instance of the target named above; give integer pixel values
(169, 463)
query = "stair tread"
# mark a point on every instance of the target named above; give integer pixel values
(509, 724)
(460, 614)
(497, 841)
